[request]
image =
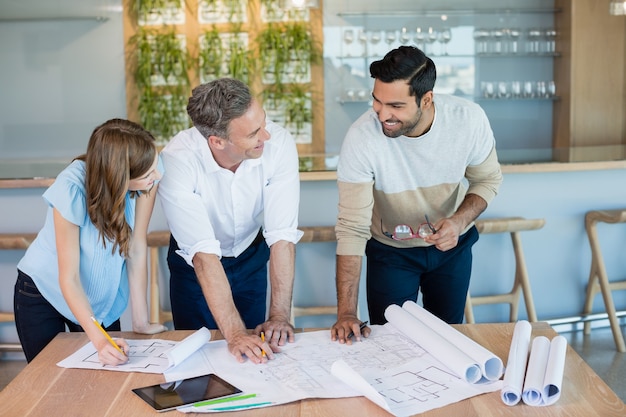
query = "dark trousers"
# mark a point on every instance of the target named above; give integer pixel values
(247, 275)
(397, 275)
(36, 320)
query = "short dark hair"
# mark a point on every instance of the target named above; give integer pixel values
(212, 106)
(407, 63)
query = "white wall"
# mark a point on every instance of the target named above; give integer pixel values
(58, 80)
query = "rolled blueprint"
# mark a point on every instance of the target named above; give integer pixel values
(537, 364)
(545, 371)
(490, 365)
(434, 343)
(511, 392)
(554, 373)
(345, 373)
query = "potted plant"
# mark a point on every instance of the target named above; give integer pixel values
(298, 114)
(222, 10)
(238, 57)
(161, 76)
(211, 55)
(155, 11)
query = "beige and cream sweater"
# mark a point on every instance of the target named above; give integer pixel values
(389, 181)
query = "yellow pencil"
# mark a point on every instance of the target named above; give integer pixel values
(263, 340)
(111, 341)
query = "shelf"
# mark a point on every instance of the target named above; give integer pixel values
(451, 12)
(57, 10)
(100, 19)
(496, 56)
(522, 55)
(342, 101)
(481, 98)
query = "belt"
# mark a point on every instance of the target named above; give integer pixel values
(258, 239)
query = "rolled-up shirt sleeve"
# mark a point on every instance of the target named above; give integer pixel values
(485, 178)
(356, 202)
(281, 192)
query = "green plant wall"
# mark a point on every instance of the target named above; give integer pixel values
(174, 45)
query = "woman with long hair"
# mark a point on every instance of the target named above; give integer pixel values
(90, 257)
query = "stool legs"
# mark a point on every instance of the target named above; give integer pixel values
(469, 311)
(521, 284)
(157, 314)
(521, 280)
(13, 241)
(598, 281)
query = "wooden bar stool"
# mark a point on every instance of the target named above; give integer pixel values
(512, 225)
(13, 241)
(156, 240)
(598, 279)
(315, 234)
(161, 238)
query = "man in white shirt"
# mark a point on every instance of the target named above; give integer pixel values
(230, 195)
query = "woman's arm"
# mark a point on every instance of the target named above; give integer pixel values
(137, 265)
(68, 250)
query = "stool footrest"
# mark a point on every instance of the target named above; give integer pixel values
(6, 317)
(495, 298)
(508, 224)
(16, 240)
(314, 311)
(10, 347)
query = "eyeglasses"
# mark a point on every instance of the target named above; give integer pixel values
(405, 232)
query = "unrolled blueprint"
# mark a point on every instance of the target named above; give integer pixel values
(145, 355)
(403, 378)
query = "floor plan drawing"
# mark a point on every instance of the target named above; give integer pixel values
(144, 355)
(408, 386)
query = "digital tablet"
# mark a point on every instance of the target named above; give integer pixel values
(170, 395)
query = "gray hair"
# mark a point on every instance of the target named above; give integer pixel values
(212, 106)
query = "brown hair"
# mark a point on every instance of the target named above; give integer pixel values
(118, 151)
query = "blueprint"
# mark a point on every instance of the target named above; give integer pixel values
(145, 355)
(400, 375)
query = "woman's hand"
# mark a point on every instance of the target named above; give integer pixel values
(110, 355)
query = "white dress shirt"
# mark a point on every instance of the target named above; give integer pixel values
(213, 210)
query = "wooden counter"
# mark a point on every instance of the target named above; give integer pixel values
(43, 388)
(332, 175)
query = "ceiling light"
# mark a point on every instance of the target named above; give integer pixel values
(617, 7)
(300, 4)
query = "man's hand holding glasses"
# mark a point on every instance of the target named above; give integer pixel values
(405, 232)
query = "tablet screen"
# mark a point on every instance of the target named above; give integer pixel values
(169, 395)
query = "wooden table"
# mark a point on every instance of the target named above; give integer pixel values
(43, 389)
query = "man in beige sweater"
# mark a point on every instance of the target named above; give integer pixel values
(414, 173)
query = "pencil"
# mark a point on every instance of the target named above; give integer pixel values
(263, 340)
(111, 341)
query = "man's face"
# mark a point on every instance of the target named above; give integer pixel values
(247, 134)
(397, 111)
